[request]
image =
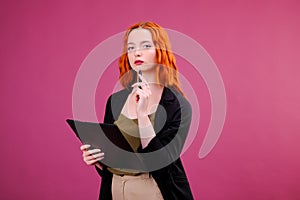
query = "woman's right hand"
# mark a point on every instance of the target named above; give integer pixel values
(91, 157)
(141, 90)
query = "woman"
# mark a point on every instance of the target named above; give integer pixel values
(154, 117)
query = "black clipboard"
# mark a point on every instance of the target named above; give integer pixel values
(107, 137)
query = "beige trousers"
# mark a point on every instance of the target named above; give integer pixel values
(138, 187)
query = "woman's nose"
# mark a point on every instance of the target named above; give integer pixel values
(137, 53)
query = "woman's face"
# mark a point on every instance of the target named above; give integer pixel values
(141, 50)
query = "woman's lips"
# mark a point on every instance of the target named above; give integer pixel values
(138, 62)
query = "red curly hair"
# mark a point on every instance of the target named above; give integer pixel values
(166, 71)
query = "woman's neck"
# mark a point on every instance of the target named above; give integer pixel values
(150, 77)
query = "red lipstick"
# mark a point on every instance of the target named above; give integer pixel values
(138, 62)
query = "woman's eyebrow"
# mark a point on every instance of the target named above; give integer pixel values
(145, 41)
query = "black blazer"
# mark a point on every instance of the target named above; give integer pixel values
(171, 125)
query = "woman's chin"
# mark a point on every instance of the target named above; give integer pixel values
(143, 68)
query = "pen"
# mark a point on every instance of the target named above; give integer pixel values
(139, 79)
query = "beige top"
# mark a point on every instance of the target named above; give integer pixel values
(130, 130)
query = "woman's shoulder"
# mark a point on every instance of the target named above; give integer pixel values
(172, 95)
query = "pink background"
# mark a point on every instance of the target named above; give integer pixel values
(255, 45)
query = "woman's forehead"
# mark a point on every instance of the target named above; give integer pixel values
(139, 35)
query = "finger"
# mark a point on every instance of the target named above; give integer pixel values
(92, 162)
(142, 94)
(88, 158)
(134, 89)
(144, 91)
(99, 155)
(90, 152)
(93, 151)
(84, 147)
(146, 88)
(93, 158)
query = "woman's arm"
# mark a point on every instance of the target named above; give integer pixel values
(166, 146)
(146, 130)
(176, 127)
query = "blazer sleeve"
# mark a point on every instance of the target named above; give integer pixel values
(170, 140)
(108, 118)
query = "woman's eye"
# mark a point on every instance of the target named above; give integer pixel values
(147, 46)
(130, 48)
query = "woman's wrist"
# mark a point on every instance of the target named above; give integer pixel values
(146, 132)
(145, 127)
(143, 120)
(141, 115)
